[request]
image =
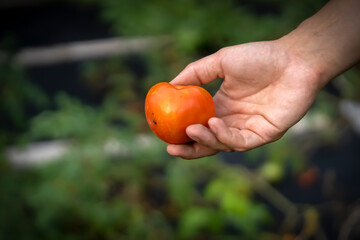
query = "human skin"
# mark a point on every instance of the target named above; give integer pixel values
(269, 86)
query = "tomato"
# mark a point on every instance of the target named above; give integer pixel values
(308, 178)
(169, 109)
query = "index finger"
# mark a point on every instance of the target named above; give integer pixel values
(200, 72)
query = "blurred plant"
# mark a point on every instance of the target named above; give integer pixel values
(17, 94)
(196, 27)
(116, 181)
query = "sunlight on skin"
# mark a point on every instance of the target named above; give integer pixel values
(269, 86)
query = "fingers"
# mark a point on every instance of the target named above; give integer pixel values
(190, 151)
(205, 144)
(218, 138)
(235, 138)
(201, 72)
(204, 136)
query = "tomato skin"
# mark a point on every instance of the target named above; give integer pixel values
(169, 109)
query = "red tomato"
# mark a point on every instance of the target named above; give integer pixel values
(308, 178)
(171, 108)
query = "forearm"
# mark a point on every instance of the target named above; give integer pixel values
(329, 41)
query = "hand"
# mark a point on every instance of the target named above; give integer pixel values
(266, 90)
(269, 86)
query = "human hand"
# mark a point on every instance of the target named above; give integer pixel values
(266, 90)
(269, 86)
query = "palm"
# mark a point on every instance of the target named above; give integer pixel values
(262, 92)
(265, 91)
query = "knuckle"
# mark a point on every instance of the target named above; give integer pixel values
(194, 69)
(222, 51)
(191, 66)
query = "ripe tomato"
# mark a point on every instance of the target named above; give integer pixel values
(169, 109)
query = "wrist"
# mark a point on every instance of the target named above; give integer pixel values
(303, 56)
(328, 42)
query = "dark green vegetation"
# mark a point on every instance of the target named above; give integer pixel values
(116, 180)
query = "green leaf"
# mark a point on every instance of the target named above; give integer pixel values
(199, 219)
(180, 183)
(235, 204)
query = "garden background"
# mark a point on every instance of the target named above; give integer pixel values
(78, 160)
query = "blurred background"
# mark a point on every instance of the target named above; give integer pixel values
(78, 160)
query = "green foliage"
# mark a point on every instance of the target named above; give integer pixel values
(349, 84)
(17, 93)
(197, 28)
(113, 77)
(15, 220)
(200, 219)
(71, 120)
(198, 24)
(180, 181)
(232, 193)
(116, 181)
(103, 187)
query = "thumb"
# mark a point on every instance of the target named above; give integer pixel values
(201, 72)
